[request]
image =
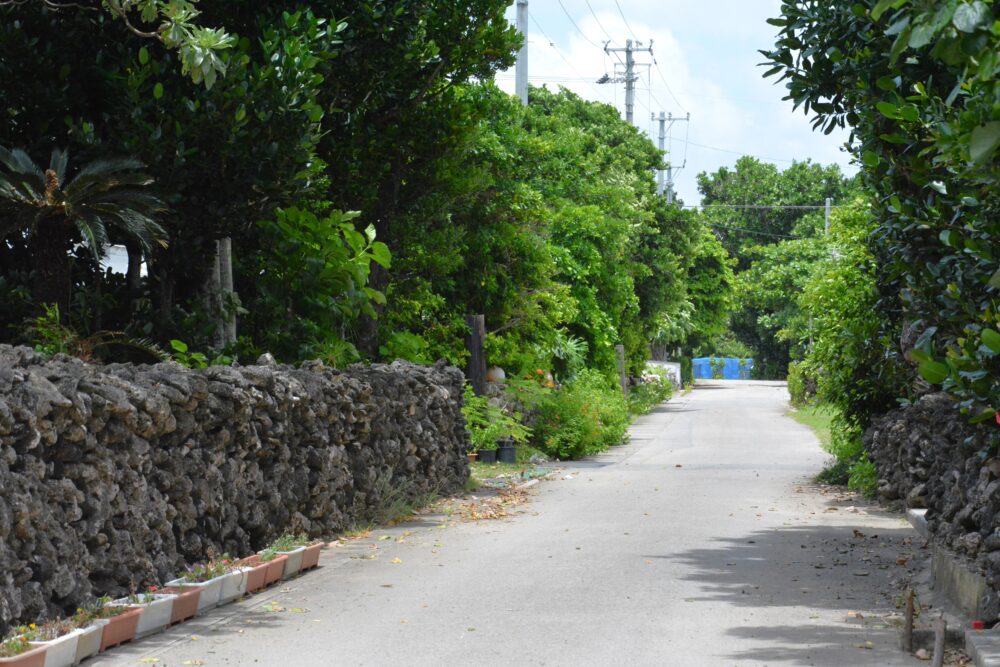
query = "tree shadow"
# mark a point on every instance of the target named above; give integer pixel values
(850, 567)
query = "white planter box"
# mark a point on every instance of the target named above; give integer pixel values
(294, 563)
(89, 643)
(60, 652)
(234, 586)
(155, 615)
(211, 590)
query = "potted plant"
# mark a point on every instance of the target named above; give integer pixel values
(310, 558)
(185, 605)
(291, 546)
(16, 650)
(122, 622)
(156, 608)
(60, 639)
(91, 625)
(256, 570)
(275, 565)
(220, 580)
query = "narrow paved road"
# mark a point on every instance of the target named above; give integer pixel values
(702, 542)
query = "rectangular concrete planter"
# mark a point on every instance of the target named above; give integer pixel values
(310, 558)
(256, 572)
(275, 569)
(89, 642)
(294, 563)
(211, 590)
(185, 603)
(234, 585)
(61, 652)
(155, 614)
(31, 658)
(120, 629)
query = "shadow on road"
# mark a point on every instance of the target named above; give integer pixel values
(840, 568)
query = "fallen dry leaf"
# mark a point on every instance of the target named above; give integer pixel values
(396, 561)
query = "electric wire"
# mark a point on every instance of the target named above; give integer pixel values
(627, 26)
(669, 89)
(564, 58)
(599, 24)
(792, 207)
(726, 150)
(750, 231)
(590, 41)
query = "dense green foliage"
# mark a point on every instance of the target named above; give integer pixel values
(917, 84)
(376, 187)
(771, 223)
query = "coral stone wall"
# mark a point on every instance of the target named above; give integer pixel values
(928, 456)
(116, 473)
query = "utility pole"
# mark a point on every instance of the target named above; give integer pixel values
(668, 187)
(521, 72)
(826, 219)
(627, 75)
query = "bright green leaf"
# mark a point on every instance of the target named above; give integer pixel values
(158, 91)
(984, 140)
(991, 339)
(968, 16)
(933, 371)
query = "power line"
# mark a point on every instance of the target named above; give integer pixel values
(769, 206)
(606, 33)
(726, 150)
(556, 49)
(627, 26)
(753, 231)
(590, 41)
(669, 90)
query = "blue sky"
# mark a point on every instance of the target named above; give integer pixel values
(707, 64)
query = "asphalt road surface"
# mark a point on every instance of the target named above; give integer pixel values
(701, 542)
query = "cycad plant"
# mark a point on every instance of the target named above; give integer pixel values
(105, 196)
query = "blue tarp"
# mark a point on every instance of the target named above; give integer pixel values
(732, 369)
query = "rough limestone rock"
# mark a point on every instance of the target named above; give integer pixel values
(928, 455)
(121, 473)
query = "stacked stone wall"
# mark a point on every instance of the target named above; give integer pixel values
(929, 457)
(125, 473)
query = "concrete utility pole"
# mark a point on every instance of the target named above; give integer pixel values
(521, 72)
(668, 187)
(826, 219)
(628, 75)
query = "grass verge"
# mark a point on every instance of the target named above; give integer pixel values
(819, 418)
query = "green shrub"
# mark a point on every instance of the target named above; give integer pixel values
(851, 465)
(687, 371)
(653, 390)
(801, 384)
(488, 423)
(584, 417)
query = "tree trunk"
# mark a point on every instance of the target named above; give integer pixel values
(52, 281)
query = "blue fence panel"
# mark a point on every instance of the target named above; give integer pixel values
(732, 369)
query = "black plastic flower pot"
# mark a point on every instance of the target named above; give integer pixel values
(487, 456)
(507, 454)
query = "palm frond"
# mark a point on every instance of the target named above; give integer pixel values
(17, 192)
(135, 199)
(18, 162)
(94, 232)
(91, 184)
(109, 166)
(57, 163)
